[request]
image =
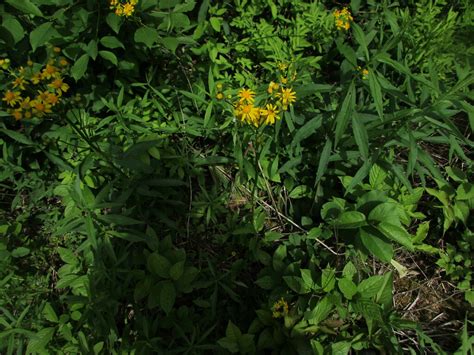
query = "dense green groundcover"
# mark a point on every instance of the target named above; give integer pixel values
(236, 176)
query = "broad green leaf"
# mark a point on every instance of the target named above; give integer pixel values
(359, 36)
(397, 234)
(347, 287)
(296, 284)
(320, 312)
(233, 332)
(20, 252)
(307, 130)
(146, 35)
(369, 288)
(350, 219)
(167, 296)
(49, 313)
(159, 265)
(42, 34)
(80, 66)
(377, 246)
(25, 6)
(300, 192)
(109, 56)
(114, 22)
(39, 341)
(328, 279)
(176, 271)
(385, 212)
(111, 42)
(13, 26)
(20, 138)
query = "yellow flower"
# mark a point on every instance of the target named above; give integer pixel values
(43, 96)
(4, 63)
(40, 108)
(246, 95)
(52, 99)
(248, 113)
(11, 97)
(49, 72)
(17, 114)
(343, 18)
(19, 82)
(113, 2)
(25, 103)
(30, 63)
(286, 97)
(119, 10)
(365, 74)
(59, 86)
(280, 308)
(272, 86)
(283, 80)
(36, 78)
(219, 87)
(270, 114)
(128, 9)
(134, 2)
(57, 50)
(27, 114)
(219, 96)
(282, 66)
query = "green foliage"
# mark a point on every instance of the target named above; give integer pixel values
(139, 216)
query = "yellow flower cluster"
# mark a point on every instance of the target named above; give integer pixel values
(34, 90)
(363, 72)
(343, 19)
(219, 95)
(280, 308)
(123, 8)
(280, 98)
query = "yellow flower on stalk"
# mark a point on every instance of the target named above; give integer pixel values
(59, 86)
(113, 2)
(49, 72)
(246, 95)
(25, 103)
(283, 80)
(52, 99)
(19, 82)
(219, 86)
(27, 114)
(286, 97)
(280, 308)
(270, 114)
(17, 114)
(272, 86)
(30, 63)
(11, 97)
(40, 108)
(128, 9)
(220, 96)
(63, 62)
(343, 18)
(36, 78)
(4, 63)
(248, 113)
(57, 50)
(43, 96)
(365, 74)
(119, 10)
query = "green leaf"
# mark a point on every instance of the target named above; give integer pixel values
(360, 135)
(397, 234)
(385, 212)
(80, 66)
(25, 6)
(233, 332)
(344, 113)
(13, 26)
(347, 287)
(109, 56)
(376, 245)
(296, 284)
(323, 161)
(215, 23)
(265, 282)
(114, 22)
(320, 312)
(300, 192)
(111, 42)
(167, 296)
(20, 252)
(376, 92)
(20, 138)
(42, 34)
(146, 35)
(159, 265)
(350, 219)
(359, 36)
(369, 288)
(176, 271)
(49, 313)
(119, 219)
(39, 341)
(308, 129)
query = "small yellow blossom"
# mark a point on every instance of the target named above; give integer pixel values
(248, 113)
(36, 78)
(49, 72)
(246, 95)
(286, 97)
(219, 96)
(27, 114)
(365, 74)
(270, 114)
(282, 66)
(52, 99)
(272, 86)
(343, 19)
(29, 63)
(4, 63)
(11, 97)
(57, 50)
(59, 86)
(17, 114)
(43, 96)
(63, 62)
(119, 10)
(283, 80)
(25, 103)
(128, 9)
(40, 108)
(19, 83)
(219, 87)
(280, 308)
